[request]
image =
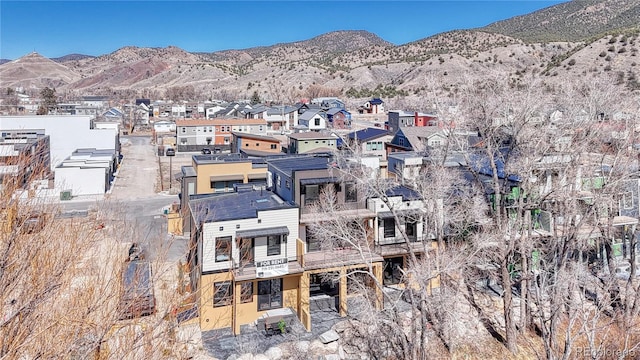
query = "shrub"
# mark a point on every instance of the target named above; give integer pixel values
(572, 62)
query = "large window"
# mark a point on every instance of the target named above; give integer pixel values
(246, 292)
(223, 248)
(351, 193)
(317, 122)
(223, 293)
(392, 273)
(270, 294)
(274, 245)
(246, 251)
(389, 228)
(311, 194)
(411, 229)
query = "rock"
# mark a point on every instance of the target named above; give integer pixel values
(329, 336)
(331, 357)
(260, 357)
(274, 353)
(302, 347)
(341, 353)
(246, 357)
(316, 347)
(332, 347)
(341, 326)
(233, 357)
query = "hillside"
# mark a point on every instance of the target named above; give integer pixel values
(576, 20)
(360, 64)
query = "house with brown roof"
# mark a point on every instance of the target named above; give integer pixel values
(252, 144)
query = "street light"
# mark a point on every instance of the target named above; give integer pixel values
(170, 154)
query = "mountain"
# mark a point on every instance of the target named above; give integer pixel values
(71, 57)
(360, 64)
(35, 70)
(2, 61)
(576, 20)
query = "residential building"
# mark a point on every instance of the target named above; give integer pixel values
(86, 172)
(417, 139)
(338, 118)
(373, 106)
(66, 133)
(251, 144)
(24, 157)
(164, 126)
(244, 260)
(218, 173)
(193, 135)
(281, 118)
(399, 118)
(312, 120)
(327, 103)
(369, 142)
(306, 142)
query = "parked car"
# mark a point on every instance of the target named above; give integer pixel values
(170, 152)
(206, 151)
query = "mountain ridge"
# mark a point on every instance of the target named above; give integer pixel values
(354, 60)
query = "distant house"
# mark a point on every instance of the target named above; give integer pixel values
(312, 120)
(114, 114)
(369, 141)
(281, 118)
(398, 118)
(327, 103)
(338, 118)
(301, 143)
(417, 139)
(252, 144)
(192, 135)
(164, 126)
(373, 106)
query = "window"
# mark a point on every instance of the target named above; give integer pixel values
(246, 145)
(260, 127)
(223, 293)
(411, 229)
(278, 180)
(183, 141)
(351, 193)
(287, 184)
(389, 228)
(627, 200)
(274, 245)
(311, 194)
(226, 140)
(273, 146)
(392, 274)
(401, 141)
(257, 144)
(184, 130)
(269, 294)
(369, 146)
(223, 248)
(246, 292)
(317, 122)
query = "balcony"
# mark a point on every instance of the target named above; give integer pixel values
(339, 257)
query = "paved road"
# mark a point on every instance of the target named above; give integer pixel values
(133, 203)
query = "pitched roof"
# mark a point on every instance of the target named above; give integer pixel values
(237, 205)
(376, 101)
(406, 193)
(279, 110)
(418, 135)
(336, 110)
(291, 164)
(309, 114)
(367, 134)
(253, 136)
(310, 135)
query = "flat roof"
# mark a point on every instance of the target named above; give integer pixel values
(310, 135)
(236, 205)
(290, 164)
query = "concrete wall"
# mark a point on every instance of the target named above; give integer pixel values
(81, 181)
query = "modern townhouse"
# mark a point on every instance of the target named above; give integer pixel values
(255, 145)
(217, 173)
(193, 135)
(308, 142)
(303, 180)
(244, 260)
(24, 157)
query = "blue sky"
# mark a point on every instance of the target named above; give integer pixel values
(57, 28)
